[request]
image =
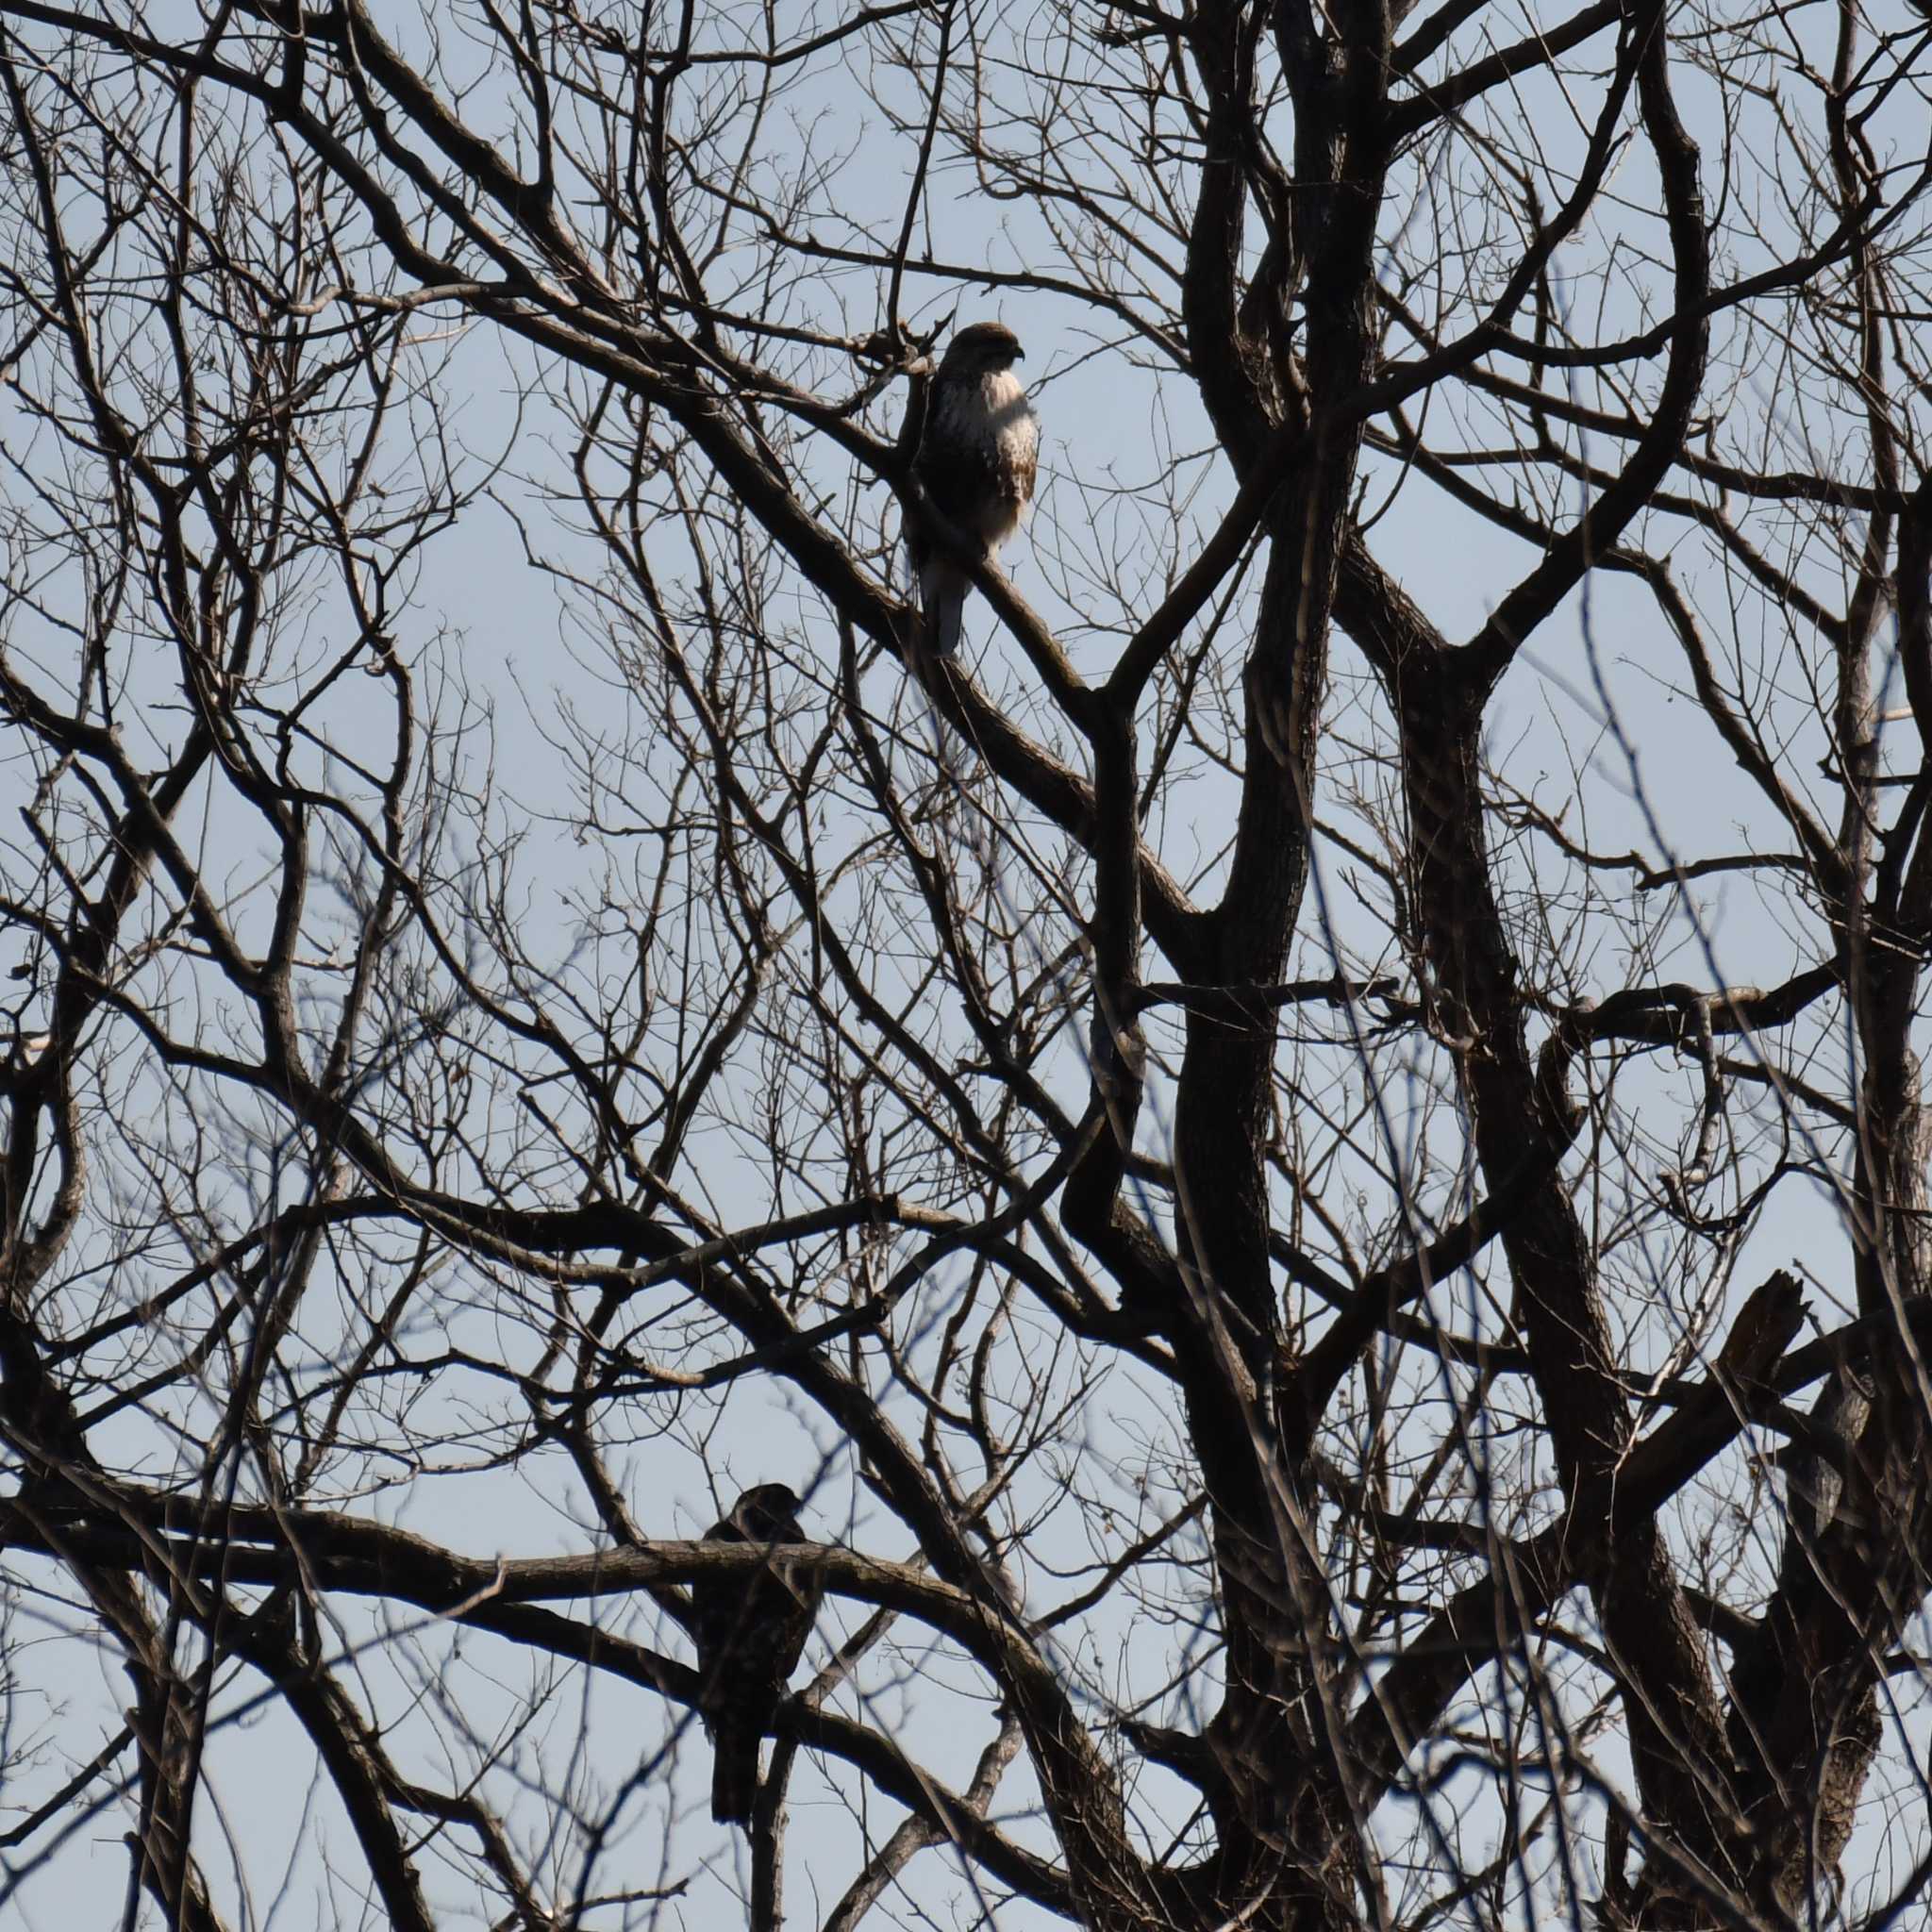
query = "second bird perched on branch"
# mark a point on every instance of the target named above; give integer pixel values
(749, 1632)
(978, 453)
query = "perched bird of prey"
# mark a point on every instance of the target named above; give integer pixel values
(750, 1631)
(978, 451)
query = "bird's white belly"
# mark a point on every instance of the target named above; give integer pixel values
(994, 412)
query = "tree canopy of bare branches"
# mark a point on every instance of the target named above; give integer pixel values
(1311, 1157)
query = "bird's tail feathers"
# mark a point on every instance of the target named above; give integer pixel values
(734, 1772)
(943, 588)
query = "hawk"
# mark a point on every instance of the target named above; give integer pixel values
(750, 1631)
(978, 451)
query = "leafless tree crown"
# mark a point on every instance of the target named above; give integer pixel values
(1311, 1157)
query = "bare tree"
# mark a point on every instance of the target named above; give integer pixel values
(1312, 1158)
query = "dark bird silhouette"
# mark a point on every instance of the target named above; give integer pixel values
(978, 453)
(750, 1631)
